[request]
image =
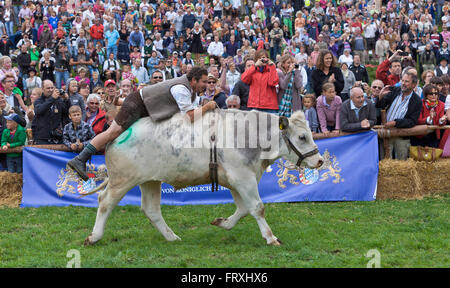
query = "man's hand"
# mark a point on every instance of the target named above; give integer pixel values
(5, 147)
(73, 147)
(390, 124)
(55, 94)
(395, 55)
(211, 105)
(365, 124)
(335, 132)
(386, 90)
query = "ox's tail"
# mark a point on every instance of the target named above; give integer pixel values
(100, 187)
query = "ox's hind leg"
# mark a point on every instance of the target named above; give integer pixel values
(241, 212)
(151, 200)
(248, 190)
(108, 199)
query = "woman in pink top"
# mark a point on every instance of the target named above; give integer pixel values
(328, 109)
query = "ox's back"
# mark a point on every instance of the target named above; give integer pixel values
(177, 152)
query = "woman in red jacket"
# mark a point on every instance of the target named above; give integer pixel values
(432, 114)
(262, 79)
(95, 117)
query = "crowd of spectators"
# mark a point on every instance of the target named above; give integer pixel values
(67, 65)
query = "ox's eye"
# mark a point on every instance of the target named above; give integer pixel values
(302, 137)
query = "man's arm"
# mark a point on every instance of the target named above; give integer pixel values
(211, 105)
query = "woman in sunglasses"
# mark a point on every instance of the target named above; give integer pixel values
(432, 114)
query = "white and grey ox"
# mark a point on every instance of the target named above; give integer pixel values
(149, 153)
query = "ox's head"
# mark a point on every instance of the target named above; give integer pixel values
(298, 138)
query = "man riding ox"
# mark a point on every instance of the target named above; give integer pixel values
(178, 152)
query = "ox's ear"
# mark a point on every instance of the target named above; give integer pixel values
(284, 122)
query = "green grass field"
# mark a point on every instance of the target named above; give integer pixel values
(406, 234)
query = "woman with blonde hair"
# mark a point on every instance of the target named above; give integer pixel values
(291, 84)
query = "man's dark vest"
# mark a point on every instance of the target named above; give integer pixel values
(159, 101)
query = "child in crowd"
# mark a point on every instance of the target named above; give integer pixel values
(328, 109)
(77, 134)
(309, 103)
(13, 136)
(127, 74)
(82, 76)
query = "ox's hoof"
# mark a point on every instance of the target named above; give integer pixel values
(88, 241)
(173, 237)
(276, 242)
(218, 221)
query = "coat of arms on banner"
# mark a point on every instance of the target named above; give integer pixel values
(67, 176)
(308, 176)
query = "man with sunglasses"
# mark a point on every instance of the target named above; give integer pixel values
(159, 101)
(157, 77)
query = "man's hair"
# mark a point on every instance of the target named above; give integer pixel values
(233, 97)
(413, 76)
(74, 109)
(436, 81)
(247, 58)
(446, 79)
(196, 73)
(396, 60)
(8, 75)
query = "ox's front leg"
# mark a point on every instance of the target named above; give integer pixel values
(241, 212)
(247, 187)
(151, 200)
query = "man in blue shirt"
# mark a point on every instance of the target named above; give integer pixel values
(112, 41)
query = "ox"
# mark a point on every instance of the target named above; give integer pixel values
(149, 153)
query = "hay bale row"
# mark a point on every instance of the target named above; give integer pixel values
(412, 179)
(396, 180)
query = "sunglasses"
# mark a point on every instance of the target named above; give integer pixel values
(94, 103)
(157, 77)
(233, 106)
(433, 93)
(211, 82)
(377, 87)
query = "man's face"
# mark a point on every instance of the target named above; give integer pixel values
(356, 60)
(9, 83)
(233, 104)
(407, 84)
(201, 84)
(376, 88)
(48, 88)
(357, 96)
(396, 68)
(157, 77)
(111, 89)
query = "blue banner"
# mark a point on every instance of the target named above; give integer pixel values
(350, 173)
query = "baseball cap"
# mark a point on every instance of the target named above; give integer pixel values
(14, 117)
(110, 81)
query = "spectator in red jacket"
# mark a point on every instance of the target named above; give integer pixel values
(95, 117)
(389, 70)
(262, 79)
(432, 114)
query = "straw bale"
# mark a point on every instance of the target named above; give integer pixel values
(398, 180)
(435, 176)
(10, 189)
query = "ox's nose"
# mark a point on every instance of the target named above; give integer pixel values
(319, 163)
